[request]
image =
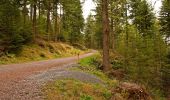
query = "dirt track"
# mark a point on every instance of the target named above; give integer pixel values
(15, 79)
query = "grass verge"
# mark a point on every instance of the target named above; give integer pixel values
(76, 90)
(70, 89)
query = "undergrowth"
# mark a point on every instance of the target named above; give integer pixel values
(76, 90)
(41, 51)
(89, 65)
(70, 89)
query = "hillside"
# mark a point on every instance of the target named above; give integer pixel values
(42, 50)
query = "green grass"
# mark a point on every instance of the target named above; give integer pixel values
(76, 90)
(70, 89)
(88, 66)
(88, 60)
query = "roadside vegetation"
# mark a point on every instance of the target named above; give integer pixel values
(71, 89)
(112, 88)
(76, 90)
(42, 50)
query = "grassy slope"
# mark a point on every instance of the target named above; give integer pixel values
(41, 51)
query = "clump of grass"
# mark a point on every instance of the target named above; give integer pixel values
(76, 90)
(87, 65)
(91, 60)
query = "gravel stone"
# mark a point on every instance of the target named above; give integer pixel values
(24, 81)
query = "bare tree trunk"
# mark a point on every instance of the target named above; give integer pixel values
(112, 35)
(31, 11)
(111, 27)
(24, 12)
(56, 23)
(48, 20)
(127, 38)
(60, 22)
(106, 64)
(39, 9)
(55, 15)
(48, 16)
(48, 23)
(34, 20)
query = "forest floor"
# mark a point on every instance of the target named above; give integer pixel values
(23, 81)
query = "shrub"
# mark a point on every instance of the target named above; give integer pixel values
(16, 43)
(26, 33)
(86, 97)
(79, 46)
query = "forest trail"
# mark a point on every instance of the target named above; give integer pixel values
(22, 81)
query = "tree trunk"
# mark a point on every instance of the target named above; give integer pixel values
(60, 21)
(56, 23)
(48, 16)
(105, 20)
(112, 34)
(48, 23)
(39, 9)
(127, 38)
(112, 27)
(31, 11)
(34, 20)
(24, 12)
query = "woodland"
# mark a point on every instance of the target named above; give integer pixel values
(132, 41)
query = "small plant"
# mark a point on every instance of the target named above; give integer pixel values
(76, 90)
(42, 55)
(86, 97)
(107, 95)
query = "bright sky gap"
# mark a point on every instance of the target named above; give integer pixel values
(89, 5)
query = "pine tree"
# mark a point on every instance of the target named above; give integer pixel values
(142, 16)
(73, 21)
(165, 31)
(165, 18)
(90, 38)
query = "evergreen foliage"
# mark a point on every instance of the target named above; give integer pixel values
(23, 21)
(138, 38)
(139, 41)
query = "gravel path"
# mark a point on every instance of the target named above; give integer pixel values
(64, 73)
(23, 81)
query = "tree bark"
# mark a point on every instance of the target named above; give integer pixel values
(60, 25)
(112, 26)
(34, 19)
(48, 23)
(112, 34)
(56, 23)
(31, 11)
(39, 9)
(105, 21)
(48, 17)
(24, 11)
(127, 38)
